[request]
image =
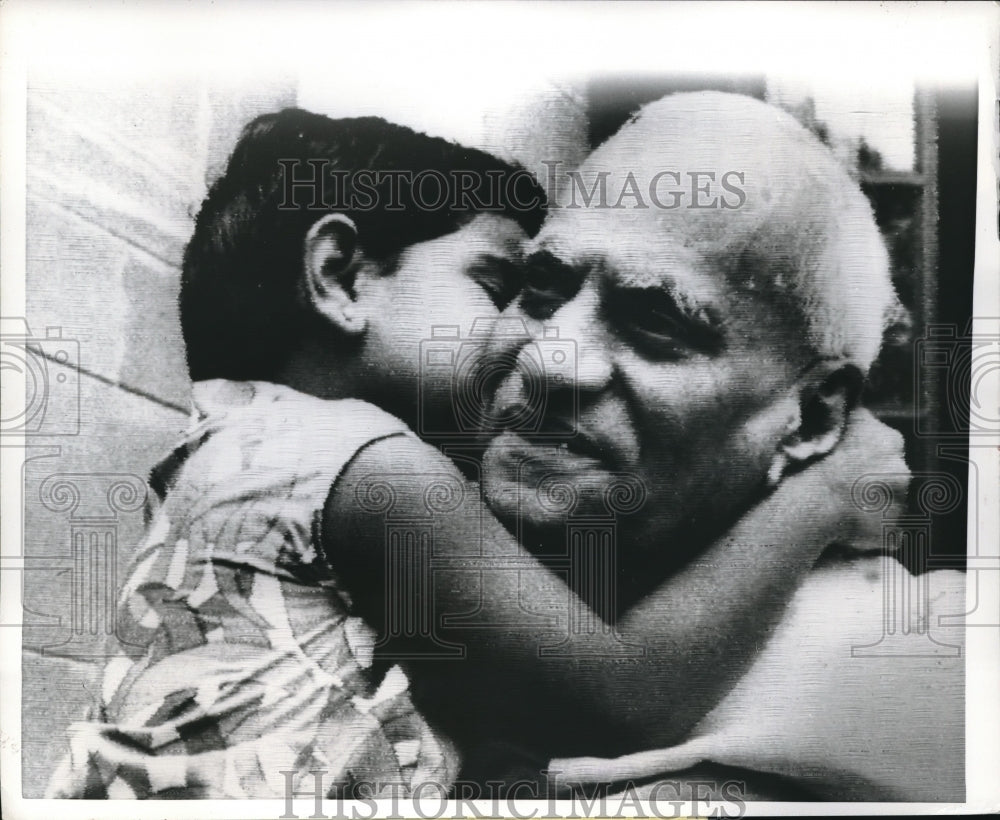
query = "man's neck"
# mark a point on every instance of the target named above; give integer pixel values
(650, 550)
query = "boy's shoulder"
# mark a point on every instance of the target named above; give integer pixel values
(259, 427)
(222, 401)
(281, 417)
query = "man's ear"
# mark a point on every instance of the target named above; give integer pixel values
(827, 392)
(329, 271)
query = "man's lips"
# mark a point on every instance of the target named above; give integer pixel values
(547, 421)
(556, 433)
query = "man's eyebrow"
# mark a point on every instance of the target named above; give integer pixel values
(700, 320)
(511, 269)
(554, 267)
(487, 258)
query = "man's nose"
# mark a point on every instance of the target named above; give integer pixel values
(572, 345)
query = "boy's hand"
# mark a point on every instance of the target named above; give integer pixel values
(867, 448)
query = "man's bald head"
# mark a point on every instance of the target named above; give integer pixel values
(801, 235)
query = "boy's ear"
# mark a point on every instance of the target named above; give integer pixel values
(329, 271)
(827, 393)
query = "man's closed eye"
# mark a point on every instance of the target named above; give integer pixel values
(500, 278)
(654, 322)
(548, 284)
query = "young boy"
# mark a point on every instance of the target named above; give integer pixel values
(243, 666)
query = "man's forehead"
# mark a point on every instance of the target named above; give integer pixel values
(499, 230)
(708, 131)
(627, 251)
(777, 199)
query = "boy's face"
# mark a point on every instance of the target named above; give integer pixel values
(429, 321)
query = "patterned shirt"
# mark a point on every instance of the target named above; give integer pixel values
(239, 667)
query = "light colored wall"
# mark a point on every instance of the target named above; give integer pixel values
(114, 178)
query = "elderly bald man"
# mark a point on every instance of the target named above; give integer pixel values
(721, 349)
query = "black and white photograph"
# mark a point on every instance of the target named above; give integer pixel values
(499, 409)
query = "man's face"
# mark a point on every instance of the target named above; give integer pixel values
(429, 320)
(683, 382)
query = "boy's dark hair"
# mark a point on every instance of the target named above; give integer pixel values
(240, 311)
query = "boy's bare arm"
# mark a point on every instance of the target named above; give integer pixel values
(699, 629)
